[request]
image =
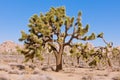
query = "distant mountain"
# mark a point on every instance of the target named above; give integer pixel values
(9, 47)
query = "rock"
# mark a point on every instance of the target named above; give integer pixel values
(4, 77)
(88, 77)
(9, 47)
(32, 66)
(46, 77)
(48, 68)
(35, 77)
(15, 72)
(36, 71)
(116, 78)
(16, 65)
(5, 68)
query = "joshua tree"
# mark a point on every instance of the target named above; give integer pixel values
(80, 50)
(51, 29)
(108, 48)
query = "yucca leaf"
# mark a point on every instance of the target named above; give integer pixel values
(100, 35)
(91, 37)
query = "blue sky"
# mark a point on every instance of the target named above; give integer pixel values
(101, 15)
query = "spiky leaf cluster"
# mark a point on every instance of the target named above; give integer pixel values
(100, 35)
(82, 50)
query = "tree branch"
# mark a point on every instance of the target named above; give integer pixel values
(105, 41)
(72, 36)
(53, 47)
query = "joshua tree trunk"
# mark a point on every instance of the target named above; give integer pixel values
(78, 60)
(59, 62)
(48, 63)
(109, 61)
(59, 59)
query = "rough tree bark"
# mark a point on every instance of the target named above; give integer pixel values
(59, 59)
(78, 60)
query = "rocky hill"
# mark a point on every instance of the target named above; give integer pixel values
(9, 47)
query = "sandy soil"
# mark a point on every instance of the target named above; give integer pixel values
(8, 72)
(67, 74)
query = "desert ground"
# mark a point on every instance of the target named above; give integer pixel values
(13, 67)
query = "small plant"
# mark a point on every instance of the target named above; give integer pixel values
(116, 78)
